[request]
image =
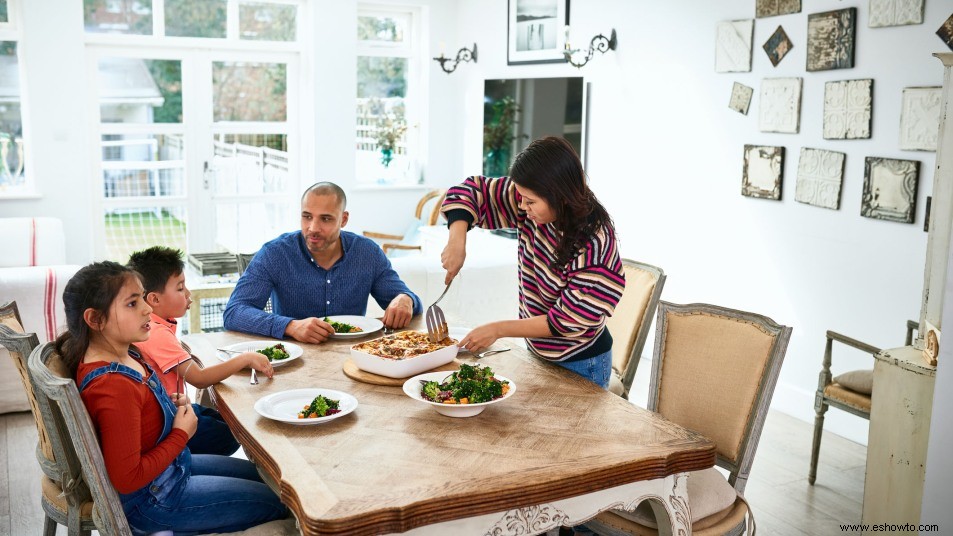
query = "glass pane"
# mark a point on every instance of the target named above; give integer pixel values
(11, 128)
(267, 22)
(135, 228)
(195, 18)
(382, 140)
(381, 77)
(3, 11)
(246, 226)
(384, 29)
(241, 168)
(135, 90)
(142, 165)
(249, 91)
(118, 16)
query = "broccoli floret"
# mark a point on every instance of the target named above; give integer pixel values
(430, 390)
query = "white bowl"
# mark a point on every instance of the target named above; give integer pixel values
(412, 389)
(403, 368)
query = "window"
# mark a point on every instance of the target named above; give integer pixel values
(14, 175)
(388, 101)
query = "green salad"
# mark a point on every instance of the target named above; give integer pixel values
(321, 406)
(343, 327)
(472, 384)
(275, 353)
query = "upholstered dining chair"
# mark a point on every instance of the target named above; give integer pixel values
(714, 372)
(64, 497)
(423, 215)
(243, 259)
(850, 391)
(630, 323)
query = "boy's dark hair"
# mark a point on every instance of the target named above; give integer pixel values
(156, 265)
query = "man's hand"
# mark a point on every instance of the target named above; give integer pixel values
(311, 330)
(399, 312)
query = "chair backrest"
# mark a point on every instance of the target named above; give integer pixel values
(243, 259)
(714, 372)
(630, 323)
(71, 428)
(433, 214)
(10, 316)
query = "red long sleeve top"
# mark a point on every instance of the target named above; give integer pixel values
(128, 419)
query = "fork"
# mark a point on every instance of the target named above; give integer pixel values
(487, 352)
(437, 329)
(254, 377)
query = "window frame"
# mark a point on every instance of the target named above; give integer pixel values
(11, 31)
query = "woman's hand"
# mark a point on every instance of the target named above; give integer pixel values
(452, 259)
(186, 420)
(480, 338)
(258, 362)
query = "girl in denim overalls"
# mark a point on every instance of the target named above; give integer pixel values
(142, 432)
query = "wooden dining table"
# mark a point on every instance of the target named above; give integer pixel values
(555, 453)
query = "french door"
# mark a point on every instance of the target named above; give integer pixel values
(199, 149)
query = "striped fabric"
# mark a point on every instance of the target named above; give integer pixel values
(576, 300)
(49, 304)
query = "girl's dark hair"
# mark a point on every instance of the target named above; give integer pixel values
(93, 287)
(551, 169)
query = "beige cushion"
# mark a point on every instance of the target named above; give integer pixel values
(52, 494)
(615, 384)
(860, 381)
(851, 398)
(709, 494)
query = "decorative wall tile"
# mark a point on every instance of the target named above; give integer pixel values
(770, 8)
(920, 118)
(777, 46)
(890, 189)
(884, 13)
(740, 98)
(762, 172)
(946, 32)
(779, 109)
(733, 46)
(830, 39)
(819, 177)
(847, 109)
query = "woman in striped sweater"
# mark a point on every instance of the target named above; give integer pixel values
(570, 272)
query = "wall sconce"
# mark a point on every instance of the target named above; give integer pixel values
(599, 43)
(464, 54)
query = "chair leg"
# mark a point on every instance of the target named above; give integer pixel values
(816, 448)
(49, 526)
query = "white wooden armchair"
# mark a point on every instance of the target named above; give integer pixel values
(630, 323)
(423, 215)
(714, 372)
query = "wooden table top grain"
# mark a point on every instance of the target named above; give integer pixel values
(395, 464)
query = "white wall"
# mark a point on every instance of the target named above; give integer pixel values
(665, 156)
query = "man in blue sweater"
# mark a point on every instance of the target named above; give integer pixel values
(318, 272)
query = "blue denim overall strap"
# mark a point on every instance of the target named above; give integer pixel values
(180, 468)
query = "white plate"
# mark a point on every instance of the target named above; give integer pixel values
(459, 333)
(412, 389)
(294, 351)
(285, 405)
(369, 325)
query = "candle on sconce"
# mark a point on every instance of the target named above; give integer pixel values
(566, 29)
(443, 46)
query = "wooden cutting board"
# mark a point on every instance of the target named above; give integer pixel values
(351, 371)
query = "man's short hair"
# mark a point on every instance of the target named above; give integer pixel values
(156, 265)
(326, 188)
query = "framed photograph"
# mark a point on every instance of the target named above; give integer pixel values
(890, 189)
(536, 31)
(762, 174)
(946, 32)
(777, 46)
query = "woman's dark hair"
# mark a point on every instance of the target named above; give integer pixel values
(551, 169)
(93, 287)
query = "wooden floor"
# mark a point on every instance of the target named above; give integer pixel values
(778, 491)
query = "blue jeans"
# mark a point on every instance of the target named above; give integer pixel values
(213, 435)
(222, 494)
(595, 369)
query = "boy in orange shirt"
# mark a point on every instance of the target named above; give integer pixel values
(163, 277)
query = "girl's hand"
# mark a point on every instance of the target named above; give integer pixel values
(452, 259)
(259, 362)
(186, 420)
(180, 399)
(479, 338)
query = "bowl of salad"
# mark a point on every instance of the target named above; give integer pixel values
(464, 393)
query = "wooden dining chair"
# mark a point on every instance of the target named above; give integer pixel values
(631, 321)
(714, 372)
(393, 243)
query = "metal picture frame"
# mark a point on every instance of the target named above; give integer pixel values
(536, 31)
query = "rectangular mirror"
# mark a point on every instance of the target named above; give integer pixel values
(517, 111)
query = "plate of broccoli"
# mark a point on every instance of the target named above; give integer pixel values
(352, 326)
(306, 406)
(277, 352)
(464, 393)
